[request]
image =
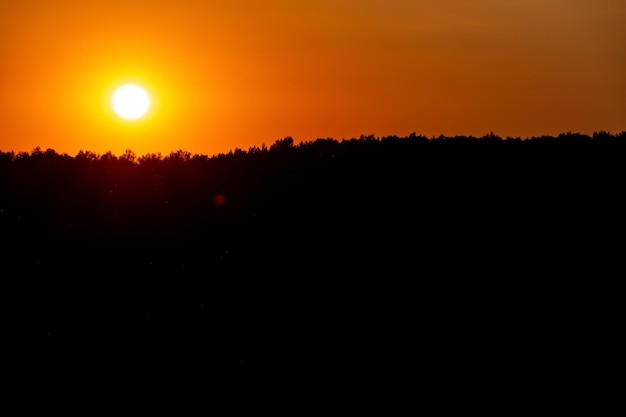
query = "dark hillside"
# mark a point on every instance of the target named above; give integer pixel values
(458, 260)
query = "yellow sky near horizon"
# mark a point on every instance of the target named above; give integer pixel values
(240, 73)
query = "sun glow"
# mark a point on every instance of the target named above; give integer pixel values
(130, 102)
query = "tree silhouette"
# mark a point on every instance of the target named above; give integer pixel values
(316, 255)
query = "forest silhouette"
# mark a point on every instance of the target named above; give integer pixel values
(315, 256)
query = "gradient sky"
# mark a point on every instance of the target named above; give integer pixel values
(231, 74)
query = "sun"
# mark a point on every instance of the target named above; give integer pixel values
(130, 101)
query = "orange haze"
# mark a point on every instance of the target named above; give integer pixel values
(232, 74)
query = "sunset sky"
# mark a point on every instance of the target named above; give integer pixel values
(228, 74)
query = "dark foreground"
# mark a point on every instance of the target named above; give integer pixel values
(451, 270)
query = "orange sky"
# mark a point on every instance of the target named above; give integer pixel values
(240, 73)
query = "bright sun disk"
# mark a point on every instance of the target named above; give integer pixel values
(130, 101)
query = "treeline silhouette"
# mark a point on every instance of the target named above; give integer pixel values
(319, 255)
